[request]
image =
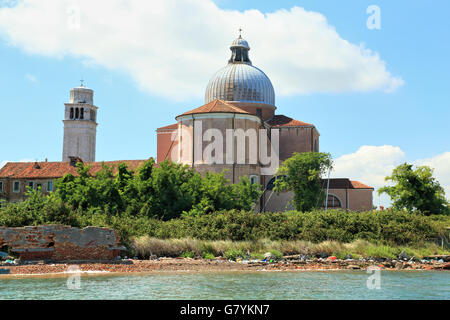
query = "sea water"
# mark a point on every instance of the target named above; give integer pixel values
(235, 285)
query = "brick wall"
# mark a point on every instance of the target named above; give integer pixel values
(293, 139)
(58, 242)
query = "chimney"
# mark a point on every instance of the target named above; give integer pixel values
(74, 161)
(36, 165)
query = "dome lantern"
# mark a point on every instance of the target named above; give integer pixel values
(239, 49)
(239, 80)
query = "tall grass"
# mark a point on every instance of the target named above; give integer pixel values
(146, 246)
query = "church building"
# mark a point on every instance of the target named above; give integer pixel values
(240, 103)
(236, 131)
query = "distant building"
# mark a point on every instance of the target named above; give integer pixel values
(342, 194)
(15, 177)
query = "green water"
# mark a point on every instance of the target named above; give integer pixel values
(257, 285)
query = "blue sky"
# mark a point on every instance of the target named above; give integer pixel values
(412, 43)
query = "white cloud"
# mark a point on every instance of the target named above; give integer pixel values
(371, 164)
(441, 166)
(172, 47)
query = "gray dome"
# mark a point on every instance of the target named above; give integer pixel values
(239, 81)
(239, 42)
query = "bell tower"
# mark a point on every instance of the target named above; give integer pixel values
(80, 125)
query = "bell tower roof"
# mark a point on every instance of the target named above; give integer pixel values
(82, 94)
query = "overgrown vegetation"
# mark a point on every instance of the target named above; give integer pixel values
(146, 247)
(165, 192)
(416, 190)
(390, 227)
(156, 206)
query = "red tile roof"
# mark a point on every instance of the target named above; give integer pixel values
(337, 183)
(216, 106)
(29, 170)
(344, 183)
(284, 121)
(359, 185)
(169, 127)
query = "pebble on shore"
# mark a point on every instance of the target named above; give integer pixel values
(193, 265)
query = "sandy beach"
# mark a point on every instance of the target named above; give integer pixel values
(201, 265)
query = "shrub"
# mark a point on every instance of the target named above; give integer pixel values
(208, 256)
(342, 254)
(257, 255)
(381, 252)
(233, 254)
(276, 254)
(188, 254)
(294, 230)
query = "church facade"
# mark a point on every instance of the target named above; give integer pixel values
(237, 131)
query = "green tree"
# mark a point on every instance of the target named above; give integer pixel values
(302, 174)
(216, 193)
(85, 191)
(163, 192)
(175, 189)
(416, 190)
(245, 194)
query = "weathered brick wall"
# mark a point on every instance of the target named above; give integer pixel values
(58, 242)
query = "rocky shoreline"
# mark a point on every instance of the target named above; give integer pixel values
(291, 263)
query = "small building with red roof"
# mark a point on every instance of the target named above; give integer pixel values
(15, 177)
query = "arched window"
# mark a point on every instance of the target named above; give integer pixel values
(77, 113)
(316, 147)
(271, 183)
(253, 179)
(82, 113)
(333, 202)
(71, 113)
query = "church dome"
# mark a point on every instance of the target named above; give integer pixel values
(240, 81)
(239, 42)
